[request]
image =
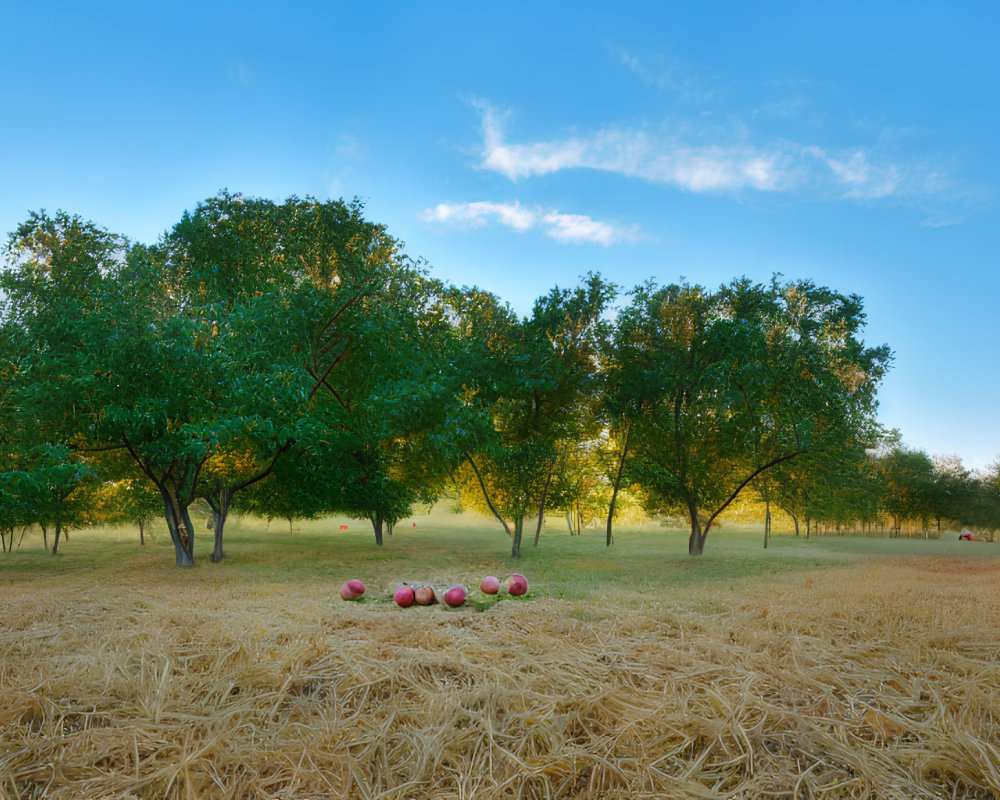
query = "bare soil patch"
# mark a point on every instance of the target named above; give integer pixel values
(877, 680)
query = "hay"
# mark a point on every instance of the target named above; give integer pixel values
(874, 681)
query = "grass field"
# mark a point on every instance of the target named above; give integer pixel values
(829, 667)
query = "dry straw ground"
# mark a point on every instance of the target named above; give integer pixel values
(879, 680)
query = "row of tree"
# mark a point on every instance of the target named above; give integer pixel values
(289, 360)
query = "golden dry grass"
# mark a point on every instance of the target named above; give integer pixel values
(879, 680)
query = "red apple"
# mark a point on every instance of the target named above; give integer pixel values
(516, 585)
(352, 590)
(404, 596)
(424, 595)
(456, 595)
(490, 585)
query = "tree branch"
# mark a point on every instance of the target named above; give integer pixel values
(740, 488)
(486, 495)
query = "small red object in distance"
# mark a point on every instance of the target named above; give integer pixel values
(343, 527)
(414, 524)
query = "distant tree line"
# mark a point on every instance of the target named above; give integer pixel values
(290, 360)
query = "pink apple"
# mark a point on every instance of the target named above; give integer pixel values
(404, 596)
(456, 595)
(516, 585)
(352, 590)
(425, 595)
(490, 585)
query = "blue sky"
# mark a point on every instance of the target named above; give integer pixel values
(518, 147)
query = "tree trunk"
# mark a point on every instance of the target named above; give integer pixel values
(142, 535)
(609, 537)
(515, 550)
(696, 542)
(219, 504)
(569, 520)
(795, 519)
(767, 517)
(389, 526)
(538, 527)
(541, 507)
(3, 539)
(180, 527)
(55, 541)
(45, 535)
(377, 525)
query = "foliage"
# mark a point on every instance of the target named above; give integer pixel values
(719, 387)
(529, 391)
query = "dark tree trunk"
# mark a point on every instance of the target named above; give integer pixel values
(45, 535)
(515, 550)
(696, 542)
(389, 526)
(767, 520)
(609, 538)
(55, 541)
(377, 525)
(541, 508)
(142, 534)
(569, 521)
(181, 529)
(538, 527)
(219, 503)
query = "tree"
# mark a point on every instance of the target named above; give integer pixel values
(198, 357)
(529, 385)
(721, 387)
(952, 490)
(907, 476)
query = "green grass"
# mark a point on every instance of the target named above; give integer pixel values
(448, 548)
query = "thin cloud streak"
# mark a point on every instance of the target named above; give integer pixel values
(564, 228)
(659, 157)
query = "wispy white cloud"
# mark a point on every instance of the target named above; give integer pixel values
(690, 161)
(565, 228)
(663, 73)
(651, 156)
(481, 213)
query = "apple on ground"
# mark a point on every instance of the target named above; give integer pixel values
(456, 595)
(424, 595)
(490, 584)
(404, 596)
(516, 585)
(352, 590)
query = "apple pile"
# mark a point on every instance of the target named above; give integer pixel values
(424, 594)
